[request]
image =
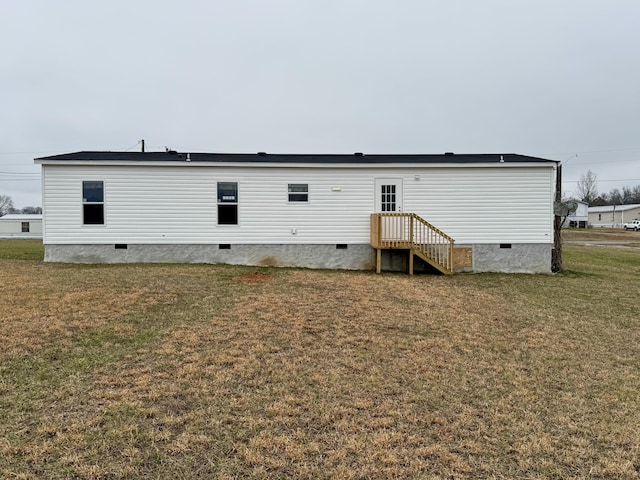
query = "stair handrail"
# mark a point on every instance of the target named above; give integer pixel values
(433, 242)
(417, 234)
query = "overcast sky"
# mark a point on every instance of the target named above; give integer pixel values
(548, 78)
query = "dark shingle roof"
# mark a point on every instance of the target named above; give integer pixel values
(364, 159)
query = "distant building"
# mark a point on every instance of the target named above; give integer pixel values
(613, 216)
(21, 226)
(579, 218)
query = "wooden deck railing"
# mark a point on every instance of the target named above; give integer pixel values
(410, 231)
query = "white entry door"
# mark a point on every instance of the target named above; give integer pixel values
(388, 194)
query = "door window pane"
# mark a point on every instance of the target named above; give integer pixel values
(388, 198)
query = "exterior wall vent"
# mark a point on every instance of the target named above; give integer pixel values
(224, 246)
(121, 246)
(505, 245)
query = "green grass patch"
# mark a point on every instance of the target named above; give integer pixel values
(21, 249)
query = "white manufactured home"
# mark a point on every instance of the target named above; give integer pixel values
(486, 212)
(579, 218)
(21, 225)
(613, 216)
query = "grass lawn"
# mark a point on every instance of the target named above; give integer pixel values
(601, 234)
(201, 371)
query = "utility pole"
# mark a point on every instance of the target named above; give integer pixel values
(556, 255)
(613, 219)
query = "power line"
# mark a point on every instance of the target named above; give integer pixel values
(604, 162)
(607, 180)
(15, 164)
(20, 180)
(26, 153)
(134, 146)
(594, 151)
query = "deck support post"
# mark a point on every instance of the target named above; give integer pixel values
(410, 262)
(378, 260)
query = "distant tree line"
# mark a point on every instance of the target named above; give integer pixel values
(616, 196)
(587, 191)
(6, 207)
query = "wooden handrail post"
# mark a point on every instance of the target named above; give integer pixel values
(411, 240)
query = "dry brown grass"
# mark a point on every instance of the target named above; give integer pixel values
(43, 303)
(233, 372)
(601, 234)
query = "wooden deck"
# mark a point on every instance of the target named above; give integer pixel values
(408, 231)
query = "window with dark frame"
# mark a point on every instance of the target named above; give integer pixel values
(25, 227)
(227, 203)
(298, 192)
(93, 203)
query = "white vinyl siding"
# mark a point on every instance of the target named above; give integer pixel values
(488, 205)
(610, 216)
(178, 204)
(13, 225)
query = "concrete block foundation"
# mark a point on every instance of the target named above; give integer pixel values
(512, 258)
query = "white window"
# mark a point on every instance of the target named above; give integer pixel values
(227, 203)
(298, 192)
(92, 203)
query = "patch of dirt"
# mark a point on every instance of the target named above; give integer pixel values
(255, 277)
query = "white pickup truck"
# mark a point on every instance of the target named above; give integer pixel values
(633, 225)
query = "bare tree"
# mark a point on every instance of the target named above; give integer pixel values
(31, 210)
(615, 197)
(6, 205)
(587, 188)
(627, 196)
